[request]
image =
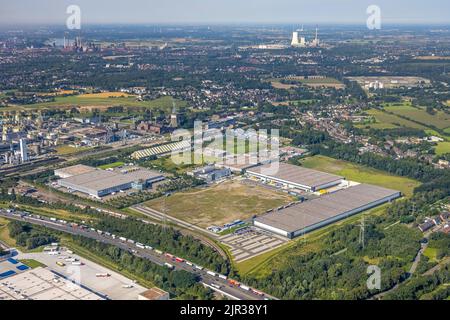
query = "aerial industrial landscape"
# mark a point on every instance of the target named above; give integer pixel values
(224, 161)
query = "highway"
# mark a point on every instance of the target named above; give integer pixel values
(211, 281)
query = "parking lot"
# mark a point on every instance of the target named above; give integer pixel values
(250, 242)
(114, 286)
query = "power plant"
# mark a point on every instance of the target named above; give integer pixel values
(298, 40)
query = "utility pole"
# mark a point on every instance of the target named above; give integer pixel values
(362, 227)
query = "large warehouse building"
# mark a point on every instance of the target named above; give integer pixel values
(73, 171)
(100, 183)
(292, 176)
(304, 217)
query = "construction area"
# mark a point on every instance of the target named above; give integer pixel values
(220, 204)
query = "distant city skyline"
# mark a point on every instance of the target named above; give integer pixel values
(26, 12)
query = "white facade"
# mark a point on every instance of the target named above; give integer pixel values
(296, 233)
(24, 150)
(291, 184)
(295, 41)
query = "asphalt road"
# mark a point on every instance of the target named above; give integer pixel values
(213, 282)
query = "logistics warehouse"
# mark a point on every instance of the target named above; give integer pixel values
(100, 183)
(291, 176)
(298, 219)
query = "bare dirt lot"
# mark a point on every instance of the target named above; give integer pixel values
(220, 204)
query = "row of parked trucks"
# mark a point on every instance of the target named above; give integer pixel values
(168, 255)
(212, 274)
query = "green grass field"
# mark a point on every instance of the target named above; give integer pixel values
(220, 203)
(112, 165)
(320, 81)
(4, 233)
(59, 213)
(33, 264)
(389, 121)
(361, 174)
(440, 120)
(164, 103)
(66, 150)
(431, 253)
(442, 148)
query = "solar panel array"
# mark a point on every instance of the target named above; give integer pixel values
(163, 149)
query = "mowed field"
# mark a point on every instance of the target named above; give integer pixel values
(440, 119)
(102, 100)
(361, 174)
(442, 148)
(65, 150)
(388, 121)
(325, 82)
(404, 115)
(220, 204)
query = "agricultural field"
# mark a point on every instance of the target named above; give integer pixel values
(432, 58)
(314, 83)
(101, 100)
(388, 121)
(220, 204)
(325, 82)
(65, 150)
(361, 174)
(440, 120)
(279, 85)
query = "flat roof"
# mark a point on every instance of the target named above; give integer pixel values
(154, 293)
(103, 179)
(328, 206)
(43, 284)
(297, 175)
(75, 170)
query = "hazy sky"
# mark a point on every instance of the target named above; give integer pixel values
(16, 12)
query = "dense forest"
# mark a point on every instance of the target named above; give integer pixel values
(28, 236)
(180, 284)
(166, 239)
(338, 270)
(429, 287)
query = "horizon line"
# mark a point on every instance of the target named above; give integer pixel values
(218, 23)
